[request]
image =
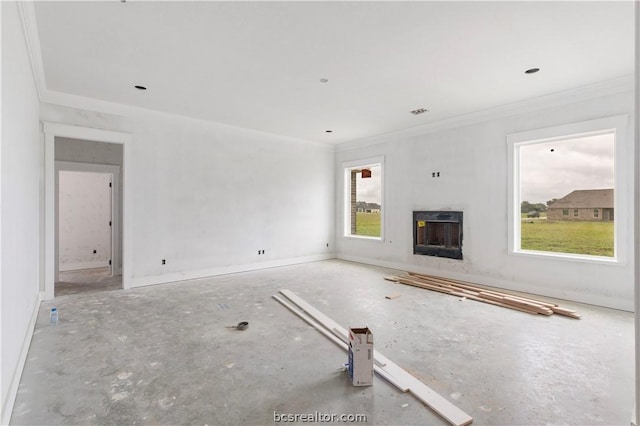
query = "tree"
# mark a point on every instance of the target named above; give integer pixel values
(540, 207)
(526, 207)
(553, 200)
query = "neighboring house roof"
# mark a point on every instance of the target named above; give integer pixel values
(585, 198)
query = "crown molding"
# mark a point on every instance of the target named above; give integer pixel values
(27, 13)
(604, 88)
(123, 110)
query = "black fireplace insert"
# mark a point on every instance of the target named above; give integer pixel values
(437, 233)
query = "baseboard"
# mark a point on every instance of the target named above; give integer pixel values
(83, 265)
(225, 270)
(569, 295)
(7, 404)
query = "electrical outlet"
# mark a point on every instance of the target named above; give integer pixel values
(262, 251)
(327, 244)
(95, 251)
(164, 261)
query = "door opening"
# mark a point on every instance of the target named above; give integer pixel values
(87, 223)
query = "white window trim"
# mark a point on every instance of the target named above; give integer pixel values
(623, 195)
(346, 202)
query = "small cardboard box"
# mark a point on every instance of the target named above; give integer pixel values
(361, 356)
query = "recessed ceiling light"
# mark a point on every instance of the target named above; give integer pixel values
(532, 70)
(419, 111)
(324, 80)
(140, 87)
(328, 131)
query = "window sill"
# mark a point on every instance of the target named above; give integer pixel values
(363, 237)
(582, 258)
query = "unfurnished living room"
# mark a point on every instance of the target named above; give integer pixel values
(357, 212)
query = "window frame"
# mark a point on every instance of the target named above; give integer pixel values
(619, 127)
(347, 166)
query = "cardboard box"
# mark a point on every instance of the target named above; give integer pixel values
(361, 356)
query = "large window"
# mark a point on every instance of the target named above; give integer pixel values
(565, 190)
(363, 198)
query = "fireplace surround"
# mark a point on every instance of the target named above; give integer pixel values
(437, 233)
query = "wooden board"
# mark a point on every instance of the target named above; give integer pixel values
(460, 294)
(432, 399)
(392, 296)
(487, 295)
(377, 368)
(342, 333)
(475, 287)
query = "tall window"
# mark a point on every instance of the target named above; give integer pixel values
(566, 184)
(363, 198)
(574, 173)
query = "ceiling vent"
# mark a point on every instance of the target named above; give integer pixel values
(419, 111)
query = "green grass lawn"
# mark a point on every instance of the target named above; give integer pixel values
(368, 224)
(592, 238)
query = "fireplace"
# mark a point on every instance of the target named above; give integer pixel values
(437, 233)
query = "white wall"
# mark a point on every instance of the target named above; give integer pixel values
(472, 161)
(207, 197)
(82, 151)
(20, 194)
(84, 215)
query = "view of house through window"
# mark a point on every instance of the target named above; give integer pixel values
(364, 200)
(567, 195)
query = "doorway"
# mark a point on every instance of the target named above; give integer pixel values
(88, 228)
(83, 153)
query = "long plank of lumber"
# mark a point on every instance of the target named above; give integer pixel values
(335, 328)
(508, 296)
(524, 305)
(475, 287)
(425, 285)
(529, 305)
(566, 312)
(312, 322)
(435, 287)
(463, 285)
(503, 305)
(378, 369)
(468, 296)
(441, 284)
(436, 402)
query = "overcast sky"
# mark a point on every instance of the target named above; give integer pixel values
(369, 189)
(553, 169)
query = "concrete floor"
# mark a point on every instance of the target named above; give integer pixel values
(87, 281)
(163, 355)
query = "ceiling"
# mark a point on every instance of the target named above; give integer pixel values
(259, 65)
